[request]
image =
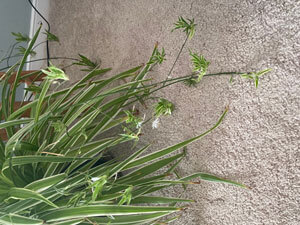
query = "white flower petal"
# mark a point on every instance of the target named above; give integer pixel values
(94, 179)
(155, 123)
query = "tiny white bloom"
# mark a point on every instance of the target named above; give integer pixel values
(94, 179)
(139, 124)
(155, 123)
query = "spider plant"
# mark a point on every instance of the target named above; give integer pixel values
(50, 171)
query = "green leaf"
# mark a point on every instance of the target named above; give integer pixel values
(209, 177)
(41, 98)
(163, 107)
(51, 37)
(22, 193)
(23, 147)
(157, 57)
(131, 158)
(156, 199)
(22, 160)
(98, 185)
(200, 65)
(21, 65)
(45, 183)
(255, 76)
(102, 210)
(22, 51)
(34, 89)
(188, 27)
(127, 195)
(191, 82)
(87, 147)
(128, 219)
(14, 123)
(260, 73)
(14, 219)
(5, 109)
(69, 222)
(84, 61)
(256, 81)
(21, 37)
(54, 73)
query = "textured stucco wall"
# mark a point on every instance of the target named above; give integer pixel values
(258, 143)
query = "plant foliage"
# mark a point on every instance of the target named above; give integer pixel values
(50, 167)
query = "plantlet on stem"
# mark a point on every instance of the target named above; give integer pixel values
(255, 76)
(188, 27)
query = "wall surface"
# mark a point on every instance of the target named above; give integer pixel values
(258, 142)
(14, 17)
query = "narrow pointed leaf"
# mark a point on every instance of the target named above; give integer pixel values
(212, 178)
(18, 220)
(45, 183)
(156, 199)
(103, 210)
(22, 193)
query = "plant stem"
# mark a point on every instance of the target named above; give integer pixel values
(10, 53)
(42, 59)
(177, 57)
(13, 56)
(177, 80)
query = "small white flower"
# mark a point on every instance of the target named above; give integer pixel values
(94, 179)
(155, 123)
(139, 125)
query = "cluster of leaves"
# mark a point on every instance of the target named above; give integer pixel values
(255, 76)
(22, 51)
(200, 65)
(51, 36)
(21, 37)
(188, 27)
(54, 73)
(157, 56)
(163, 107)
(50, 171)
(21, 41)
(87, 63)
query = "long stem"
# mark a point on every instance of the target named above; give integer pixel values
(180, 79)
(13, 56)
(193, 75)
(42, 59)
(177, 57)
(10, 53)
(48, 24)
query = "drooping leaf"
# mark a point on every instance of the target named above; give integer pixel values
(15, 219)
(51, 36)
(22, 193)
(20, 37)
(86, 62)
(209, 177)
(45, 183)
(102, 210)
